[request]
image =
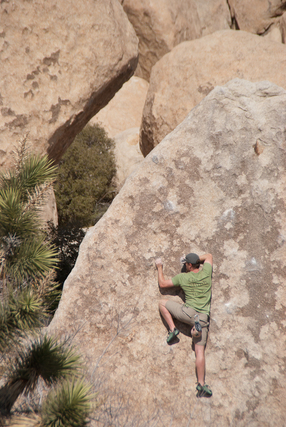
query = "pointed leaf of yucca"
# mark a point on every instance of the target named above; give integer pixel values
(68, 405)
(42, 357)
(20, 311)
(26, 309)
(33, 259)
(36, 171)
(31, 420)
(7, 328)
(14, 219)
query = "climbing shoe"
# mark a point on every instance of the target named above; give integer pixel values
(203, 390)
(172, 335)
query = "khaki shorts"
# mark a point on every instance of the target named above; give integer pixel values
(186, 315)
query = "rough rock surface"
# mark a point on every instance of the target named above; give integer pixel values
(48, 211)
(183, 77)
(125, 109)
(215, 184)
(61, 62)
(253, 16)
(128, 155)
(283, 27)
(275, 32)
(160, 25)
(214, 15)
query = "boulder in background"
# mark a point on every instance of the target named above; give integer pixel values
(128, 155)
(124, 111)
(183, 77)
(160, 25)
(253, 16)
(61, 62)
(214, 15)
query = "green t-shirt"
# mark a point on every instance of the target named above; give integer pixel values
(197, 288)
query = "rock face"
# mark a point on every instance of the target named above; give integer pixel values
(253, 16)
(121, 119)
(128, 155)
(160, 26)
(214, 15)
(61, 62)
(49, 212)
(216, 184)
(183, 77)
(125, 109)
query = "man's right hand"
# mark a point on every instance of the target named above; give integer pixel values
(206, 258)
(158, 262)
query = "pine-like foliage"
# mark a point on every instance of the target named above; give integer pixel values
(84, 187)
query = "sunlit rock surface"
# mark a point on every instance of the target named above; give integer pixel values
(61, 62)
(183, 77)
(216, 184)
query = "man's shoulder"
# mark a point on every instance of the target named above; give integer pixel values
(178, 278)
(207, 266)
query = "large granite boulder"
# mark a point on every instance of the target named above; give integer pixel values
(127, 153)
(214, 15)
(215, 184)
(253, 16)
(121, 118)
(183, 77)
(61, 62)
(124, 111)
(282, 26)
(161, 25)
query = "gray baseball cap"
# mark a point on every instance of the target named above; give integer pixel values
(191, 259)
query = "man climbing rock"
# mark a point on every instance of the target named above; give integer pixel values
(196, 284)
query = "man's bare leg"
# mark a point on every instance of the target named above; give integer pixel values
(200, 363)
(166, 314)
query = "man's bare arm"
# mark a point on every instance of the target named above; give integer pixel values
(206, 258)
(163, 283)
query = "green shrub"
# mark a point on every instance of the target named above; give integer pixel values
(84, 188)
(67, 241)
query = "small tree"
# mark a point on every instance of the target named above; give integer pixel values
(84, 186)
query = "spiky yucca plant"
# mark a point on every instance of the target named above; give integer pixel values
(20, 311)
(25, 254)
(48, 290)
(68, 405)
(41, 357)
(32, 420)
(32, 259)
